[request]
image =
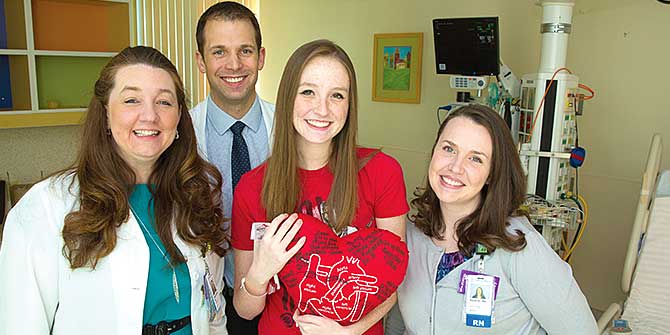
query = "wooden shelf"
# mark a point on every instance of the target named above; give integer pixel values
(74, 53)
(42, 119)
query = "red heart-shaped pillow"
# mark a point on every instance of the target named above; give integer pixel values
(343, 278)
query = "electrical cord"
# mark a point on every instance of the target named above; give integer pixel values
(564, 236)
(584, 87)
(544, 96)
(579, 227)
(580, 232)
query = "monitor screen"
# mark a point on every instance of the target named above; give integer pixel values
(467, 46)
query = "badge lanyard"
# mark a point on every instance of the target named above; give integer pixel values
(481, 251)
(479, 293)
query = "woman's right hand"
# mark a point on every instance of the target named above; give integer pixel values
(270, 254)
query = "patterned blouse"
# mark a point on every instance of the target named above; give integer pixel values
(448, 262)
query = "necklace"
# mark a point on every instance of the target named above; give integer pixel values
(175, 284)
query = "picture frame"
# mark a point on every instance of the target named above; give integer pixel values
(396, 67)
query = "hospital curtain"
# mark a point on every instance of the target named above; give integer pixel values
(169, 26)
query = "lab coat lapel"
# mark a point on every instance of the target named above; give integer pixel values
(129, 266)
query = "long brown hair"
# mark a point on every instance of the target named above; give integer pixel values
(281, 185)
(186, 189)
(500, 198)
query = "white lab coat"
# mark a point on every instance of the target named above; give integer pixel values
(199, 116)
(36, 279)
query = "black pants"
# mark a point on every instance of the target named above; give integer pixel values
(235, 324)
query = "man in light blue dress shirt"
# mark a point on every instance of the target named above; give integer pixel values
(230, 55)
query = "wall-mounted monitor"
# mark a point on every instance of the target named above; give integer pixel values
(467, 46)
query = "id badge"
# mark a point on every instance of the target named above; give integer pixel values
(213, 297)
(461, 282)
(479, 299)
(258, 230)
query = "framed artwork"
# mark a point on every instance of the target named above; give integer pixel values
(396, 67)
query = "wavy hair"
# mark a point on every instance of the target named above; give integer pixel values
(500, 198)
(281, 184)
(186, 189)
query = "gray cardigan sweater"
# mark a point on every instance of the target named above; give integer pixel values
(536, 295)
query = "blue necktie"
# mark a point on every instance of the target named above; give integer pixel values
(239, 157)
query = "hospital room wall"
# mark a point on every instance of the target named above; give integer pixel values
(26, 154)
(615, 48)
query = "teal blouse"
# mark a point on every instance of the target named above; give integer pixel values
(159, 302)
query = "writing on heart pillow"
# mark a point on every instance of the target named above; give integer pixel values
(343, 278)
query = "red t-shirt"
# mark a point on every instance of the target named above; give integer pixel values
(381, 194)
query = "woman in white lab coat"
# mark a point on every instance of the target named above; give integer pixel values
(129, 240)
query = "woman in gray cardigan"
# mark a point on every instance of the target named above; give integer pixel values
(469, 230)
